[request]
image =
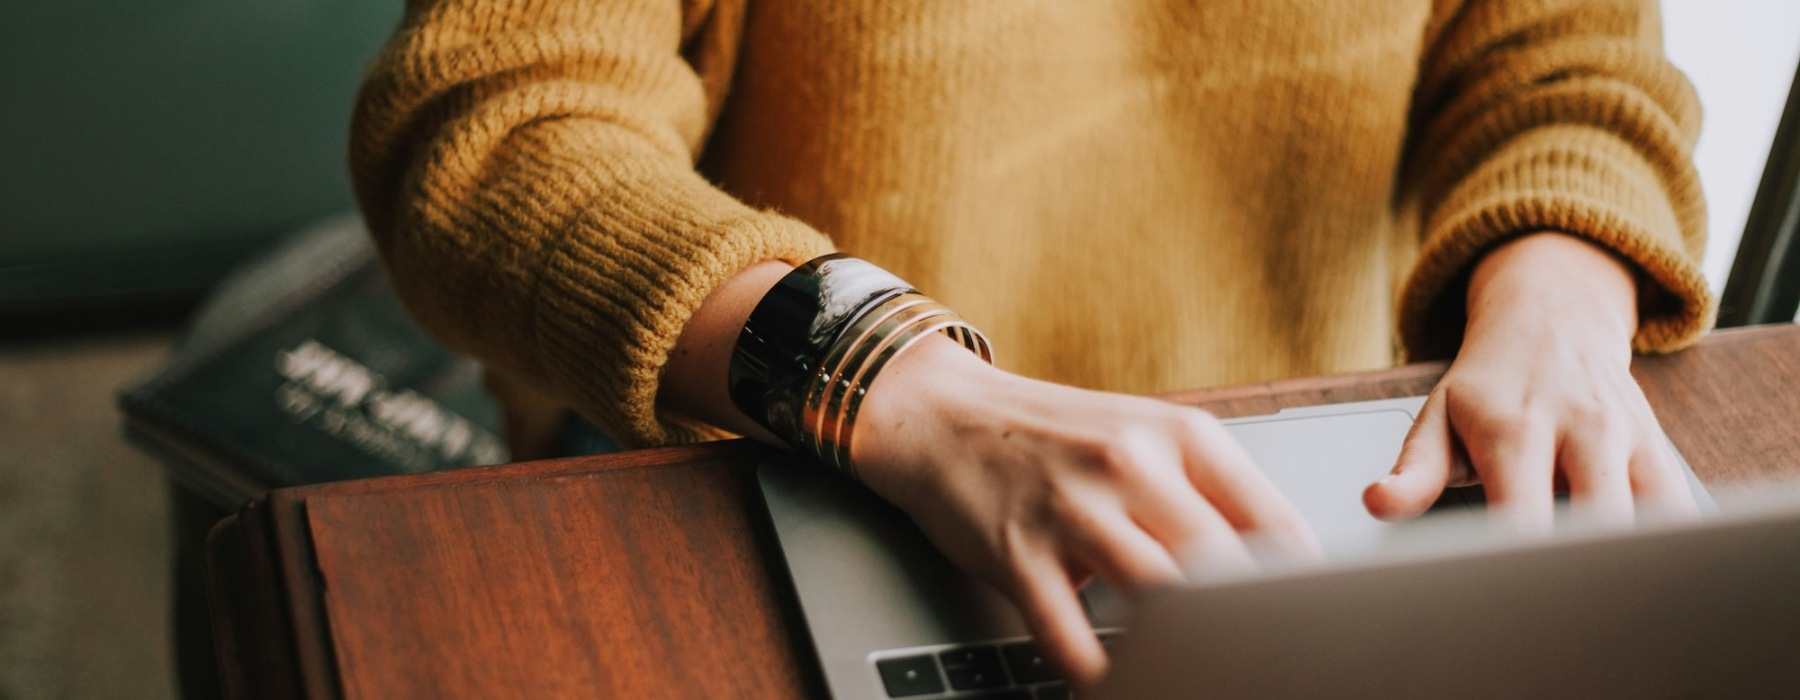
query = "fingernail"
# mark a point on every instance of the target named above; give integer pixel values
(1383, 481)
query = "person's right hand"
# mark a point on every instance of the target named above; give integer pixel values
(1036, 486)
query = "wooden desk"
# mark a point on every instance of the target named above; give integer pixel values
(652, 573)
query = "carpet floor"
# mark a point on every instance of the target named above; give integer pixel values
(84, 533)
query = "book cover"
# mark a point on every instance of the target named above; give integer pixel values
(305, 369)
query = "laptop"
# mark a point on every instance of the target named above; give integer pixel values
(891, 618)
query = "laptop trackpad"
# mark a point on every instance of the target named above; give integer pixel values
(1322, 461)
(1323, 464)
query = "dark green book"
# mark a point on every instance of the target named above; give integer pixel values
(304, 368)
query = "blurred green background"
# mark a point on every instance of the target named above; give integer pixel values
(146, 146)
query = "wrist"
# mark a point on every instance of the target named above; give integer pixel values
(1552, 280)
(922, 389)
(816, 343)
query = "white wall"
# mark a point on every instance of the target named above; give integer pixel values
(1740, 54)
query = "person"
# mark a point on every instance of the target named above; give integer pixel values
(1126, 197)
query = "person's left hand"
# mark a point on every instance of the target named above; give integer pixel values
(1540, 397)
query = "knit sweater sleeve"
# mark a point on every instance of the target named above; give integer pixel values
(1554, 116)
(527, 170)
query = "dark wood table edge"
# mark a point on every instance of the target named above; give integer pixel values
(268, 542)
(245, 551)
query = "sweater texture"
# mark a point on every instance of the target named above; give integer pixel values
(1130, 195)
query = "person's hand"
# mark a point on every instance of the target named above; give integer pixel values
(1539, 397)
(1035, 486)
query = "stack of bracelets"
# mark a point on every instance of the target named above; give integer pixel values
(816, 342)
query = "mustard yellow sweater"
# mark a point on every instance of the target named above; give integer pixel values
(1134, 195)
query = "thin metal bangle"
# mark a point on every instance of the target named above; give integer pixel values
(901, 342)
(830, 371)
(805, 358)
(831, 408)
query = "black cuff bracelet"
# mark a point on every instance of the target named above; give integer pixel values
(793, 328)
(815, 342)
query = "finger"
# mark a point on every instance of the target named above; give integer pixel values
(1659, 483)
(1597, 467)
(1052, 610)
(1211, 548)
(1423, 469)
(1217, 553)
(1156, 491)
(1516, 461)
(1173, 512)
(1241, 494)
(1168, 507)
(1114, 546)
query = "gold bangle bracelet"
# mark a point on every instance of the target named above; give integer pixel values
(830, 371)
(953, 326)
(803, 362)
(822, 411)
(852, 382)
(835, 394)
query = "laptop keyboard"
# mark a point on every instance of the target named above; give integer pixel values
(1012, 670)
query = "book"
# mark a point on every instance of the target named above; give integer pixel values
(302, 368)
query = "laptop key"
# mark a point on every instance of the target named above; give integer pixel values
(912, 675)
(1013, 694)
(1027, 664)
(1054, 691)
(973, 668)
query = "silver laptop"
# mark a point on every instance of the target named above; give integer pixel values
(890, 617)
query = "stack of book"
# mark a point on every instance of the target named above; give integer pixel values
(304, 368)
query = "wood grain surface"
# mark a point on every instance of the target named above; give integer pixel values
(653, 574)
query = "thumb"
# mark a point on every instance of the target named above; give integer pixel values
(1423, 469)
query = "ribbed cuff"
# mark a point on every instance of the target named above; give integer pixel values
(1575, 180)
(612, 305)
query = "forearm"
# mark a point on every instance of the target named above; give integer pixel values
(694, 380)
(547, 217)
(1569, 121)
